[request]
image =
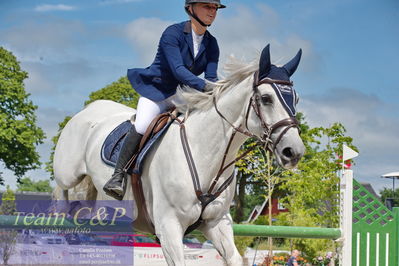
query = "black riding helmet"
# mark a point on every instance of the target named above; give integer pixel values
(189, 2)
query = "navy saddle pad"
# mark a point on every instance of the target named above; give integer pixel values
(113, 144)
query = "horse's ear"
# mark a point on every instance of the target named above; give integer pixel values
(293, 64)
(264, 62)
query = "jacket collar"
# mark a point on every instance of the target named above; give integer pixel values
(189, 39)
(187, 27)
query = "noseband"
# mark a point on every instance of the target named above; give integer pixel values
(268, 129)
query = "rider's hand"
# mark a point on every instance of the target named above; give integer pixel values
(209, 86)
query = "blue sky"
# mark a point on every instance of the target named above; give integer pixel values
(348, 71)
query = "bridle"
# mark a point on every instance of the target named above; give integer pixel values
(268, 129)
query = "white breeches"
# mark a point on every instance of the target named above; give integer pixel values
(147, 110)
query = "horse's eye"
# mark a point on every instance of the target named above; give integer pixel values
(267, 99)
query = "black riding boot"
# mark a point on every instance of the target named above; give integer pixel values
(116, 186)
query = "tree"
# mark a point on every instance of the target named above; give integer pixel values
(313, 189)
(387, 193)
(119, 91)
(19, 134)
(248, 192)
(7, 237)
(8, 206)
(251, 180)
(28, 184)
(49, 164)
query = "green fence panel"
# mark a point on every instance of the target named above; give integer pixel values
(374, 231)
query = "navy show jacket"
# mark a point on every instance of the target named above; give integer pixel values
(175, 64)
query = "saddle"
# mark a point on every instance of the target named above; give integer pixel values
(113, 143)
(157, 127)
(110, 152)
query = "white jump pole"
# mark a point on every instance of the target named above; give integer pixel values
(346, 217)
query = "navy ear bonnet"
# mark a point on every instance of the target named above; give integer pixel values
(276, 72)
(285, 93)
(287, 96)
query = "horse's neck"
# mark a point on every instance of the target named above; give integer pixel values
(209, 134)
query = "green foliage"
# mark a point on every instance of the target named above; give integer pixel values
(249, 195)
(28, 184)
(313, 188)
(252, 200)
(250, 185)
(310, 192)
(254, 178)
(120, 91)
(262, 220)
(242, 242)
(309, 247)
(8, 241)
(8, 238)
(49, 164)
(18, 131)
(253, 163)
(321, 261)
(388, 193)
(8, 206)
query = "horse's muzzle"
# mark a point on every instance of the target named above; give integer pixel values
(288, 156)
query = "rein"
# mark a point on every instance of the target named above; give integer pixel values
(268, 130)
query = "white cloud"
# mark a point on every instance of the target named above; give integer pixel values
(368, 121)
(144, 34)
(47, 79)
(374, 132)
(37, 81)
(48, 119)
(55, 55)
(251, 32)
(53, 40)
(116, 2)
(60, 7)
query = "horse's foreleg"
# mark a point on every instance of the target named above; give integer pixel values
(170, 234)
(221, 234)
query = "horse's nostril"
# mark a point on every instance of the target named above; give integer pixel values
(287, 152)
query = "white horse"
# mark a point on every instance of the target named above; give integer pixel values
(243, 103)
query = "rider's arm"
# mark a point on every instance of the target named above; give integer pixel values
(170, 46)
(213, 60)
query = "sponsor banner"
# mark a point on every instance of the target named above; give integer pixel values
(84, 233)
(64, 254)
(69, 233)
(105, 255)
(192, 256)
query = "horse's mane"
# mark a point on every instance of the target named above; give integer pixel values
(189, 99)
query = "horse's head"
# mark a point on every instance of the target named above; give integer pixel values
(273, 104)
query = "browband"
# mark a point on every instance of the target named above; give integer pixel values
(270, 81)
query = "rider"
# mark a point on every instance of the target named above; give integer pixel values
(185, 51)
